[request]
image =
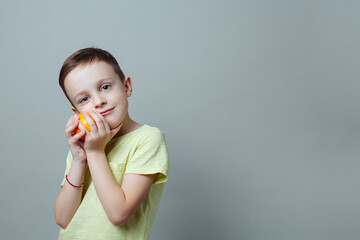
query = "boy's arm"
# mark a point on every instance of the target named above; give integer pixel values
(119, 202)
(69, 198)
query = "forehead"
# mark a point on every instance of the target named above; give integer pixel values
(87, 74)
(92, 70)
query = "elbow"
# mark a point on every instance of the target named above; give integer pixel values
(118, 223)
(61, 220)
(119, 220)
(63, 224)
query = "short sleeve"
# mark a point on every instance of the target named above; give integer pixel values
(150, 156)
(68, 166)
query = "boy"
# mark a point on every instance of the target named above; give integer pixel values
(114, 178)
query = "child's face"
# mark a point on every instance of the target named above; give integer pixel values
(97, 87)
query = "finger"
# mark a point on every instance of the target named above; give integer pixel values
(83, 128)
(71, 120)
(98, 120)
(90, 121)
(114, 131)
(71, 126)
(77, 136)
(81, 143)
(104, 125)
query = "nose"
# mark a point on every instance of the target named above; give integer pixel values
(99, 101)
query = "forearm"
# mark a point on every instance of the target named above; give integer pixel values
(69, 198)
(110, 194)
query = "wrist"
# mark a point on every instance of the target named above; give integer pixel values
(77, 173)
(81, 165)
(95, 154)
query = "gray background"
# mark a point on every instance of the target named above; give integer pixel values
(258, 101)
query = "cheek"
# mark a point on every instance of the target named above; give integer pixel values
(122, 102)
(83, 109)
(123, 109)
(122, 98)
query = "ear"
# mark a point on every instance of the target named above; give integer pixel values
(128, 86)
(75, 111)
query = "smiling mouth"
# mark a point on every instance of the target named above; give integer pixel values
(106, 112)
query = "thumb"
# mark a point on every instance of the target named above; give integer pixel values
(114, 131)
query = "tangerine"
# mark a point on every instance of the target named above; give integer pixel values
(83, 121)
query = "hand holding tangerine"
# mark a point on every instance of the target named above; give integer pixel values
(83, 121)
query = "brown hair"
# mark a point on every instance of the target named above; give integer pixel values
(86, 56)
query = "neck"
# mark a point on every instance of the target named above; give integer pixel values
(128, 126)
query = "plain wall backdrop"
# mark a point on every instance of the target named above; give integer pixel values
(258, 101)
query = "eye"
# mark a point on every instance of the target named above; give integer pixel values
(105, 87)
(84, 99)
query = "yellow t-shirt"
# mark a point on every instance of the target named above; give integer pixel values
(142, 151)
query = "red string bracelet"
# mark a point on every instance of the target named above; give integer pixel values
(73, 184)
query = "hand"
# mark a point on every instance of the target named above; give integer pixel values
(100, 135)
(76, 147)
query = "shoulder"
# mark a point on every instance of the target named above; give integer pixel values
(152, 134)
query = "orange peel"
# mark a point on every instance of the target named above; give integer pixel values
(83, 121)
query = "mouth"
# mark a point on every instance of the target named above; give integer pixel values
(107, 112)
